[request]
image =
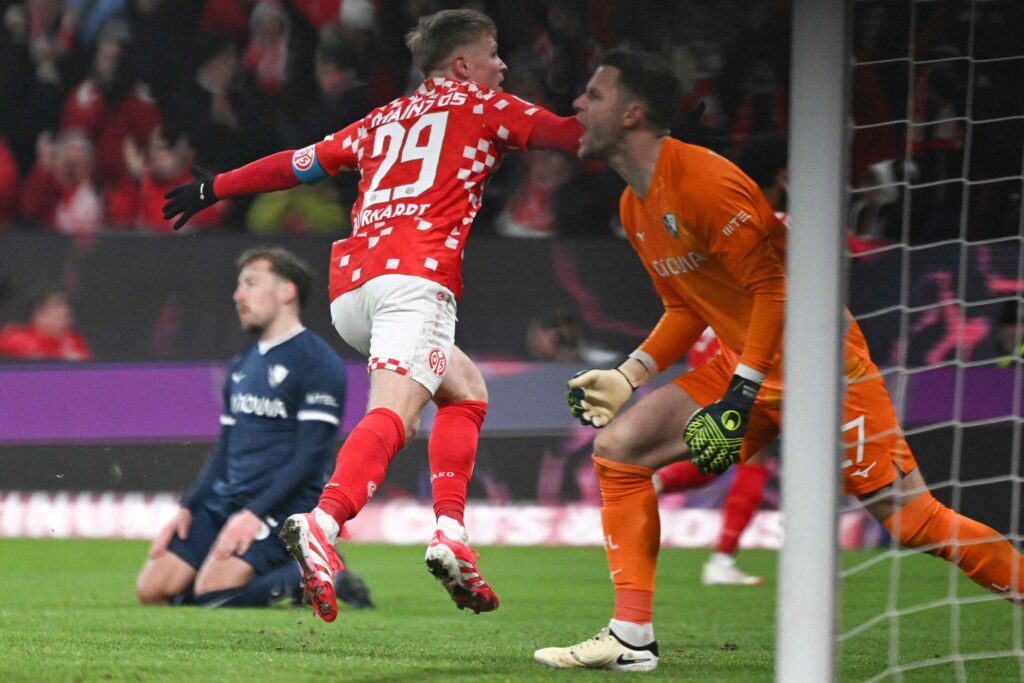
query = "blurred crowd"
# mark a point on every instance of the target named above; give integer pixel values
(937, 145)
(108, 103)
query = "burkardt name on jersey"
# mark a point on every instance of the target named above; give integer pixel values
(368, 216)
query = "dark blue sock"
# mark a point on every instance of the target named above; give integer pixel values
(283, 582)
(185, 597)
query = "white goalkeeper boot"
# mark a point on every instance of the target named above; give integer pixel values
(721, 570)
(603, 651)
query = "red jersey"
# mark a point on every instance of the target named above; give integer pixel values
(108, 124)
(424, 162)
(28, 342)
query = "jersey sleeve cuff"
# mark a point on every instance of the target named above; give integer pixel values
(647, 360)
(304, 415)
(747, 372)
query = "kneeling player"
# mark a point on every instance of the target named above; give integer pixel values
(283, 401)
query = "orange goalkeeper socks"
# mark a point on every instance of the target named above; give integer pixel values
(632, 536)
(982, 553)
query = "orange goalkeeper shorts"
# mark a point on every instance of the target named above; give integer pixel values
(874, 443)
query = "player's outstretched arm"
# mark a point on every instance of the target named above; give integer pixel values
(596, 396)
(273, 172)
(555, 132)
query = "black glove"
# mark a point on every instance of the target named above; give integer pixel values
(190, 198)
(715, 433)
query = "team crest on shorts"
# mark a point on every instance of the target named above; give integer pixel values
(438, 363)
(670, 224)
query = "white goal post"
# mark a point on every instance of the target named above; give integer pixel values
(806, 622)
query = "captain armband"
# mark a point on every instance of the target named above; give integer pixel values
(306, 167)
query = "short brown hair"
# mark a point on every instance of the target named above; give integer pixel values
(284, 264)
(437, 35)
(648, 78)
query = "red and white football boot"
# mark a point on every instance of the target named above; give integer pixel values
(320, 564)
(453, 563)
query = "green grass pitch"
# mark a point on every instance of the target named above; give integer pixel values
(67, 613)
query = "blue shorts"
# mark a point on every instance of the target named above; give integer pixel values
(266, 553)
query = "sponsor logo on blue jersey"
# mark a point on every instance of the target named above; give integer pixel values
(260, 406)
(318, 398)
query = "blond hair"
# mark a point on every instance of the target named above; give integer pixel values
(437, 35)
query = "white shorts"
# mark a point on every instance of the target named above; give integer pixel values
(401, 323)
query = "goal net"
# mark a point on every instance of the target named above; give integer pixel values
(936, 273)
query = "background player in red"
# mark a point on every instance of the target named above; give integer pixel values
(48, 334)
(423, 161)
(715, 253)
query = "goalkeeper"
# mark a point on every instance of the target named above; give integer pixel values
(715, 253)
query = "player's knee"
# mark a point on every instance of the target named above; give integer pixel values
(464, 382)
(613, 444)
(148, 592)
(412, 428)
(476, 390)
(212, 584)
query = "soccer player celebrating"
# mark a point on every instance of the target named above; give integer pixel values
(714, 250)
(423, 161)
(283, 400)
(765, 160)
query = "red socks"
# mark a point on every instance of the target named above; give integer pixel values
(361, 464)
(452, 452)
(741, 503)
(681, 476)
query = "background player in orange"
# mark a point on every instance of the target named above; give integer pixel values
(423, 162)
(715, 251)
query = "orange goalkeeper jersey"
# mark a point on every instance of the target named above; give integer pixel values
(716, 253)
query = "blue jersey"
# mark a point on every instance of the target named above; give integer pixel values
(282, 407)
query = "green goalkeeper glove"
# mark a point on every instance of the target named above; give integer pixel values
(715, 433)
(595, 396)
